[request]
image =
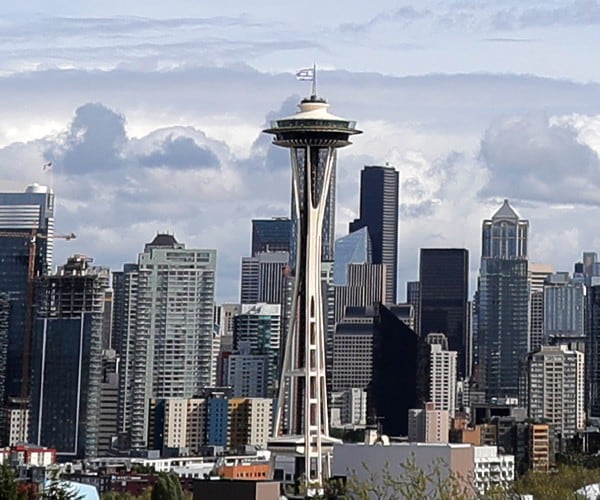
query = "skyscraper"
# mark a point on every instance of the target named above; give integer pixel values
(379, 214)
(354, 248)
(399, 364)
(271, 235)
(263, 278)
(259, 327)
(67, 359)
(503, 302)
(442, 373)
(564, 308)
(537, 275)
(26, 225)
(444, 289)
(167, 331)
(592, 354)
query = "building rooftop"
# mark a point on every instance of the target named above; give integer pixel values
(505, 212)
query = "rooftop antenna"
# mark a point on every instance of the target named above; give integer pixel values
(314, 80)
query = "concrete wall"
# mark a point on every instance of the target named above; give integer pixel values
(352, 458)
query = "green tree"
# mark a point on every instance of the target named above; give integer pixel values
(113, 495)
(55, 489)
(167, 487)
(437, 482)
(9, 486)
(559, 484)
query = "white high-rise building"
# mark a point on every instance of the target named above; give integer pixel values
(442, 378)
(166, 330)
(555, 388)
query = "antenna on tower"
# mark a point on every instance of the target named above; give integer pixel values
(314, 80)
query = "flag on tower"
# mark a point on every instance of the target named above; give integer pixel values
(47, 166)
(305, 74)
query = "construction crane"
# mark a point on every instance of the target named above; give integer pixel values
(32, 237)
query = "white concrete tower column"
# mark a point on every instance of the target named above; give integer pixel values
(301, 425)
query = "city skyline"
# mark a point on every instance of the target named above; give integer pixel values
(464, 132)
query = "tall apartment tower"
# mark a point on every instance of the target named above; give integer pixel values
(442, 373)
(379, 214)
(26, 226)
(166, 329)
(503, 302)
(66, 373)
(444, 290)
(555, 388)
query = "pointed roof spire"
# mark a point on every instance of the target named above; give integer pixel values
(505, 212)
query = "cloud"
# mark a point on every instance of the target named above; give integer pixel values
(93, 142)
(180, 152)
(532, 158)
(403, 15)
(158, 128)
(578, 12)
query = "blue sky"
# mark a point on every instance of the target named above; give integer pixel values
(152, 112)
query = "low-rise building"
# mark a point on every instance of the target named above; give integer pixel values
(491, 468)
(476, 468)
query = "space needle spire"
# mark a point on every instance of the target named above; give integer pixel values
(301, 428)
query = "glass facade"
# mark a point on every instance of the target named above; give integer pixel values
(379, 214)
(21, 214)
(503, 303)
(271, 235)
(444, 289)
(60, 389)
(355, 248)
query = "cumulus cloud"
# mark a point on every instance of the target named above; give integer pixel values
(154, 155)
(180, 152)
(531, 158)
(93, 142)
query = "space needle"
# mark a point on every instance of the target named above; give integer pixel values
(301, 427)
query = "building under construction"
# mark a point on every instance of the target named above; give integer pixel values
(66, 358)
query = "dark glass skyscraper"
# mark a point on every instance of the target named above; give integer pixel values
(379, 213)
(21, 216)
(444, 288)
(592, 355)
(399, 371)
(271, 235)
(503, 309)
